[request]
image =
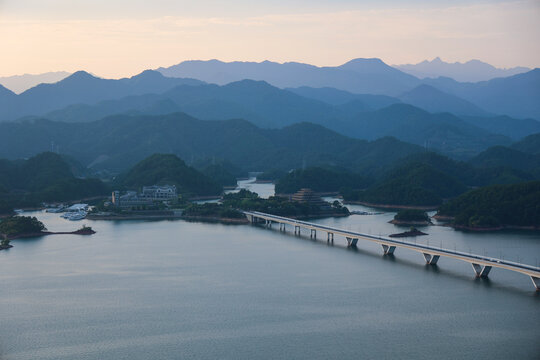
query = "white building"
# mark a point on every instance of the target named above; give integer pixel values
(157, 193)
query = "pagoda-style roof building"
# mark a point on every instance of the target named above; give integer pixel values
(308, 196)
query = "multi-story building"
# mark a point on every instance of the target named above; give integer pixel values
(148, 195)
(157, 193)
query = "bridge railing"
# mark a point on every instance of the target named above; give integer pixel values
(533, 271)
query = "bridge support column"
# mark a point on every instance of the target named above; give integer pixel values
(431, 259)
(329, 236)
(313, 233)
(536, 282)
(296, 230)
(351, 242)
(481, 270)
(388, 249)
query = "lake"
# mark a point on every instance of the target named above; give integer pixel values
(188, 290)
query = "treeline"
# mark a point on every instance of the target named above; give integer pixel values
(20, 225)
(161, 169)
(497, 205)
(250, 201)
(423, 179)
(320, 180)
(46, 177)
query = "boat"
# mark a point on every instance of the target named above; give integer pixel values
(55, 210)
(79, 215)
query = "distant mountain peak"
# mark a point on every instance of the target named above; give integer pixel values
(364, 63)
(5, 91)
(148, 74)
(80, 75)
(471, 71)
(434, 100)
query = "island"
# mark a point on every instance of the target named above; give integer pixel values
(412, 232)
(411, 217)
(302, 205)
(496, 207)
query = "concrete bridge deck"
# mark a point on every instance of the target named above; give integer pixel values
(481, 265)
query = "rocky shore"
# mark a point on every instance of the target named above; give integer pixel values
(86, 231)
(412, 232)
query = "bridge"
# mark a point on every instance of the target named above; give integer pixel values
(481, 265)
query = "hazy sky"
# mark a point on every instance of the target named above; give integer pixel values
(115, 38)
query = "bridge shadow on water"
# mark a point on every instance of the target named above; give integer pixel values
(393, 260)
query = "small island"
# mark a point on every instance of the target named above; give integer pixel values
(302, 205)
(411, 217)
(16, 227)
(496, 207)
(412, 232)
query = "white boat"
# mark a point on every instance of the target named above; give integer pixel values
(55, 210)
(79, 215)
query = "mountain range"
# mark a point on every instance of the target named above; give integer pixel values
(21, 83)
(116, 143)
(362, 76)
(470, 71)
(82, 87)
(360, 116)
(369, 82)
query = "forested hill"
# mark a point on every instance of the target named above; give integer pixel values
(366, 117)
(44, 177)
(161, 169)
(118, 142)
(529, 144)
(495, 206)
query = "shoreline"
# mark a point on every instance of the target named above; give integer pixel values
(44, 233)
(408, 223)
(133, 217)
(215, 219)
(389, 206)
(492, 228)
(482, 228)
(321, 194)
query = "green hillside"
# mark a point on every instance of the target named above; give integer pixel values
(119, 142)
(161, 169)
(498, 205)
(44, 177)
(413, 184)
(319, 180)
(529, 144)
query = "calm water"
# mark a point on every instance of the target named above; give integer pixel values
(182, 290)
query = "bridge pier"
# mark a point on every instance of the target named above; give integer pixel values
(388, 249)
(282, 227)
(351, 242)
(536, 282)
(313, 233)
(296, 230)
(431, 259)
(481, 270)
(329, 236)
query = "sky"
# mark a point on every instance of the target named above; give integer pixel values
(119, 38)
